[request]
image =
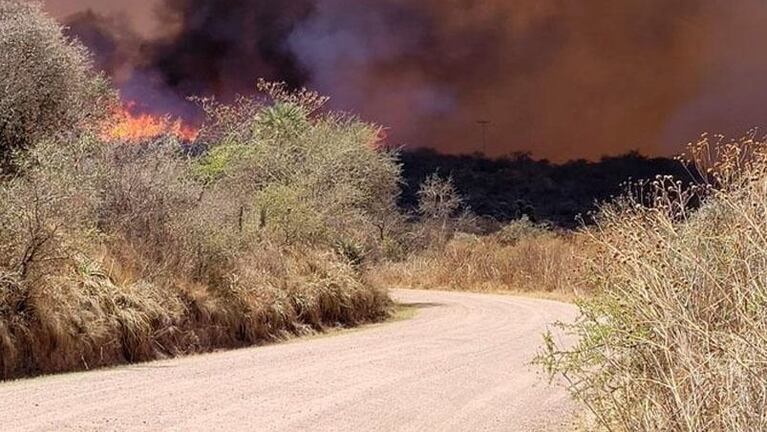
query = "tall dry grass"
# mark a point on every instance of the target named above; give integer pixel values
(674, 339)
(88, 314)
(522, 257)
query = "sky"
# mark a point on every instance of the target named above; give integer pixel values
(560, 79)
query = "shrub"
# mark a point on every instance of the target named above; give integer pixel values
(674, 338)
(301, 175)
(114, 253)
(438, 198)
(117, 251)
(440, 214)
(519, 230)
(47, 85)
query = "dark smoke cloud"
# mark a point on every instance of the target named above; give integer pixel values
(553, 77)
(558, 78)
(206, 48)
(225, 45)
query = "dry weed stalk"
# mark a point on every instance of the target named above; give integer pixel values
(674, 339)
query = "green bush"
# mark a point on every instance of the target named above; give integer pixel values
(299, 175)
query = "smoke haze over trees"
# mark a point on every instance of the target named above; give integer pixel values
(559, 79)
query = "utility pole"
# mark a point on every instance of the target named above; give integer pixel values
(484, 124)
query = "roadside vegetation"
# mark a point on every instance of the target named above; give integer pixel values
(673, 337)
(116, 251)
(518, 257)
(670, 278)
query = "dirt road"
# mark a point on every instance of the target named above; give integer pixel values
(462, 364)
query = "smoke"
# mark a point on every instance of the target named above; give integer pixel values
(557, 78)
(734, 83)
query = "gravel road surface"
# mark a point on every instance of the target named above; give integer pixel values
(461, 364)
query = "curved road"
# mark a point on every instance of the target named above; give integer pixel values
(462, 364)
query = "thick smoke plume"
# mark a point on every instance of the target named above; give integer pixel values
(558, 78)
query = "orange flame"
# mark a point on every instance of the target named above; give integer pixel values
(128, 126)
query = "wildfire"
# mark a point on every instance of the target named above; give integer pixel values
(130, 126)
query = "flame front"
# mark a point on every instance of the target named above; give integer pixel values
(129, 126)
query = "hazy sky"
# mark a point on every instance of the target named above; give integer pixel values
(559, 78)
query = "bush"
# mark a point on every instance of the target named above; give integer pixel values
(440, 214)
(47, 85)
(519, 230)
(117, 252)
(674, 338)
(438, 198)
(301, 176)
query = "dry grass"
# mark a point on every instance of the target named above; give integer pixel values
(674, 340)
(88, 318)
(538, 262)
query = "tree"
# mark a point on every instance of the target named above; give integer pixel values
(47, 82)
(438, 198)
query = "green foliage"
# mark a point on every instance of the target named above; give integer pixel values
(282, 120)
(215, 164)
(309, 178)
(290, 215)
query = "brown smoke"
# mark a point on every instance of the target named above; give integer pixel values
(561, 79)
